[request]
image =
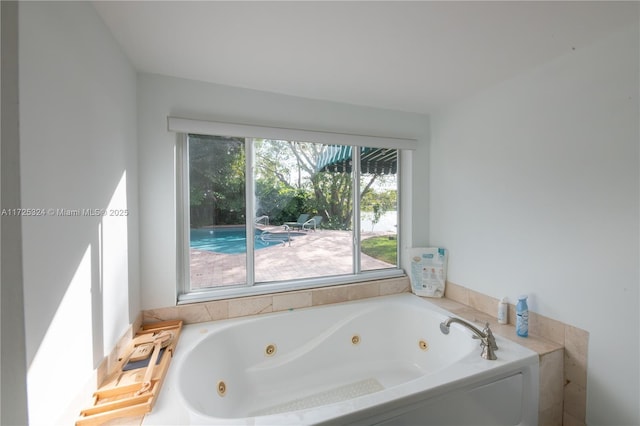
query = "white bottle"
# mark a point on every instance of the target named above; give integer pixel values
(503, 311)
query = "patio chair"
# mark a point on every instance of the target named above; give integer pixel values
(314, 222)
(298, 223)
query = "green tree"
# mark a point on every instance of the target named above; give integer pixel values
(292, 166)
(287, 182)
(216, 180)
(378, 203)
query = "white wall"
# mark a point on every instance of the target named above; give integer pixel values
(159, 97)
(535, 189)
(78, 151)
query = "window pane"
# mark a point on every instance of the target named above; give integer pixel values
(217, 218)
(378, 208)
(303, 212)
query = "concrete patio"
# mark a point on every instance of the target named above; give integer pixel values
(308, 254)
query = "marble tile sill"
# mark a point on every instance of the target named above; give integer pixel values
(536, 343)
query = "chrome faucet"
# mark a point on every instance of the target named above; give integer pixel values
(487, 340)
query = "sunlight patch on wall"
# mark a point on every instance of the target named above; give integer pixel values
(114, 267)
(64, 360)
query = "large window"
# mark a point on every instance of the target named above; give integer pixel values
(260, 215)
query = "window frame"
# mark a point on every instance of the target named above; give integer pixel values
(183, 127)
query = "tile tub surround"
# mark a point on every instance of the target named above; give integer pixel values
(562, 349)
(111, 360)
(107, 365)
(253, 305)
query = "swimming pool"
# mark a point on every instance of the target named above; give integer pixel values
(232, 240)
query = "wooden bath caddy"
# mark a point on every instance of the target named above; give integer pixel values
(133, 392)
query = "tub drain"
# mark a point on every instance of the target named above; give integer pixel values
(423, 345)
(355, 339)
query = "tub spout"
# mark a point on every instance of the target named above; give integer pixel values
(487, 340)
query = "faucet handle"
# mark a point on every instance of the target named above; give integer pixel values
(490, 338)
(488, 351)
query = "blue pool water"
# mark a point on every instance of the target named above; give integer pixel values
(224, 240)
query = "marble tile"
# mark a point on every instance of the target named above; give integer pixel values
(137, 324)
(160, 314)
(218, 309)
(546, 327)
(483, 303)
(119, 351)
(363, 291)
(231, 308)
(250, 306)
(292, 300)
(193, 313)
(477, 318)
(327, 295)
(445, 303)
(551, 379)
(575, 401)
(569, 420)
(551, 416)
(109, 362)
(540, 345)
(456, 292)
(576, 345)
(509, 332)
(102, 371)
(394, 285)
(115, 354)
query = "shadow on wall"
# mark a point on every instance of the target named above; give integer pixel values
(87, 318)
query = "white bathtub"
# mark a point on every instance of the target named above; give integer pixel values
(374, 361)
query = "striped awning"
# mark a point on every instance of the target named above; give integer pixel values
(381, 161)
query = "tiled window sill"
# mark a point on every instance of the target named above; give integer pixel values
(254, 305)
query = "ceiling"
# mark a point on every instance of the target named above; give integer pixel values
(408, 56)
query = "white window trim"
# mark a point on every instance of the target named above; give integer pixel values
(184, 126)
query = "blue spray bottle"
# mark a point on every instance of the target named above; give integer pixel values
(522, 317)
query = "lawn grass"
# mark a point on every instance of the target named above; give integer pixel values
(381, 248)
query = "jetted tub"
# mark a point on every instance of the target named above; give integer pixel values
(381, 361)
